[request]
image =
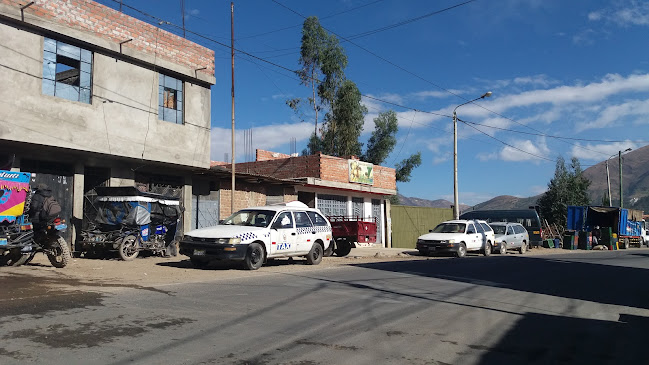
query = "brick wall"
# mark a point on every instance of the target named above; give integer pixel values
(247, 195)
(263, 155)
(321, 166)
(283, 168)
(106, 23)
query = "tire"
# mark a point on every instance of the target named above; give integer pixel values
(523, 248)
(315, 255)
(343, 248)
(128, 249)
(330, 250)
(461, 250)
(61, 256)
(17, 258)
(254, 257)
(503, 248)
(198, 263)
(487, 249)
(626, 243)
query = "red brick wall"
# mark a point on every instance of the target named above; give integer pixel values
(263, 155)
(283, 168)
(321, 166)
(104, 22)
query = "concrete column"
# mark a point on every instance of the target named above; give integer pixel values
(388, 225)
(187, 203)
(16, 167)
(350, 210)
(77, 201)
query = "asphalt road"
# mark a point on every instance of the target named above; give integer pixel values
(590, 308)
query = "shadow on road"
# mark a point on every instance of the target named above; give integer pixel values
(594, 282)
(547, 339)
(550, 339)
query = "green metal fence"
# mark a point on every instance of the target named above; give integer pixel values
(408, 223)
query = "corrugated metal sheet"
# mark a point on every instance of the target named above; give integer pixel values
(408, 223)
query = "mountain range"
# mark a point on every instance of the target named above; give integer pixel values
(635, 179)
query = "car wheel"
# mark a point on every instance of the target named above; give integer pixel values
(315, 255)
(343, 248)
(461, 250)
(523, 248)
(487, 249)
(255, 257)
(503, 248)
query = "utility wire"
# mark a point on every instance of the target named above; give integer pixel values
(362, 48)
(299, 25)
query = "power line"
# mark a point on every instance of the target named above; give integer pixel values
(366, 50)
(551, 136)
(299, 25)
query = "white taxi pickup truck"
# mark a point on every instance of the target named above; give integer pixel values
(255, 234)
(457, 237)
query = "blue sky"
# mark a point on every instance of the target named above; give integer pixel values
(576, 69)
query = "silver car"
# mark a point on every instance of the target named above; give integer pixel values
(510, 236)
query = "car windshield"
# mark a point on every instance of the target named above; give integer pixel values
(450, 228)
(257, 218)
(499, 229)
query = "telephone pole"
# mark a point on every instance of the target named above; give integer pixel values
(232, 52)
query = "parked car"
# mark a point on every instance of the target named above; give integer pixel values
(255, 234)
(510, 236)
(458, 237)
(529, 218)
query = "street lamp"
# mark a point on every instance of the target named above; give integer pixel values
(456, 206)
(608, 178)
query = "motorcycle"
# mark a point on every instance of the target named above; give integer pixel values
(130, 221)
(19, 241)
(48, 240)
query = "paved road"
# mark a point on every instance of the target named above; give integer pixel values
(590, 308)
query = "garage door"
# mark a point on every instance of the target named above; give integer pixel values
(332, 205)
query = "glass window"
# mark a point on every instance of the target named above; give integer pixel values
(510, 230)
(317, 219)
(519, 229)
(257, 218)
(170, 99)
(499, 229)
(67, 71)
(284, 220)
(302, 220)
(470, 228)
(486, 227)
(479, 227)
(450, 228)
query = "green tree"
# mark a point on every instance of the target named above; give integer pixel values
(344, 123)
(321, 56)
(568, 187)
(383, 138)
(405, 167)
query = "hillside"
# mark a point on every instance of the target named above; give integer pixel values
(418, 202)
(635, 179)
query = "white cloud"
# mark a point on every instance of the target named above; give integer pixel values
(584, 36)
(437, 94)
(520, 150)
(538, 80)
(265, 137)
(624, 13)
(599, 152)
(613, 113)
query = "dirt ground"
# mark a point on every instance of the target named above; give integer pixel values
(155, 271)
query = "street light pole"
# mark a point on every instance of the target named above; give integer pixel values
(456, 203)
(608, 179)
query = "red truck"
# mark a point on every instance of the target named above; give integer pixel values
(350, 232)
